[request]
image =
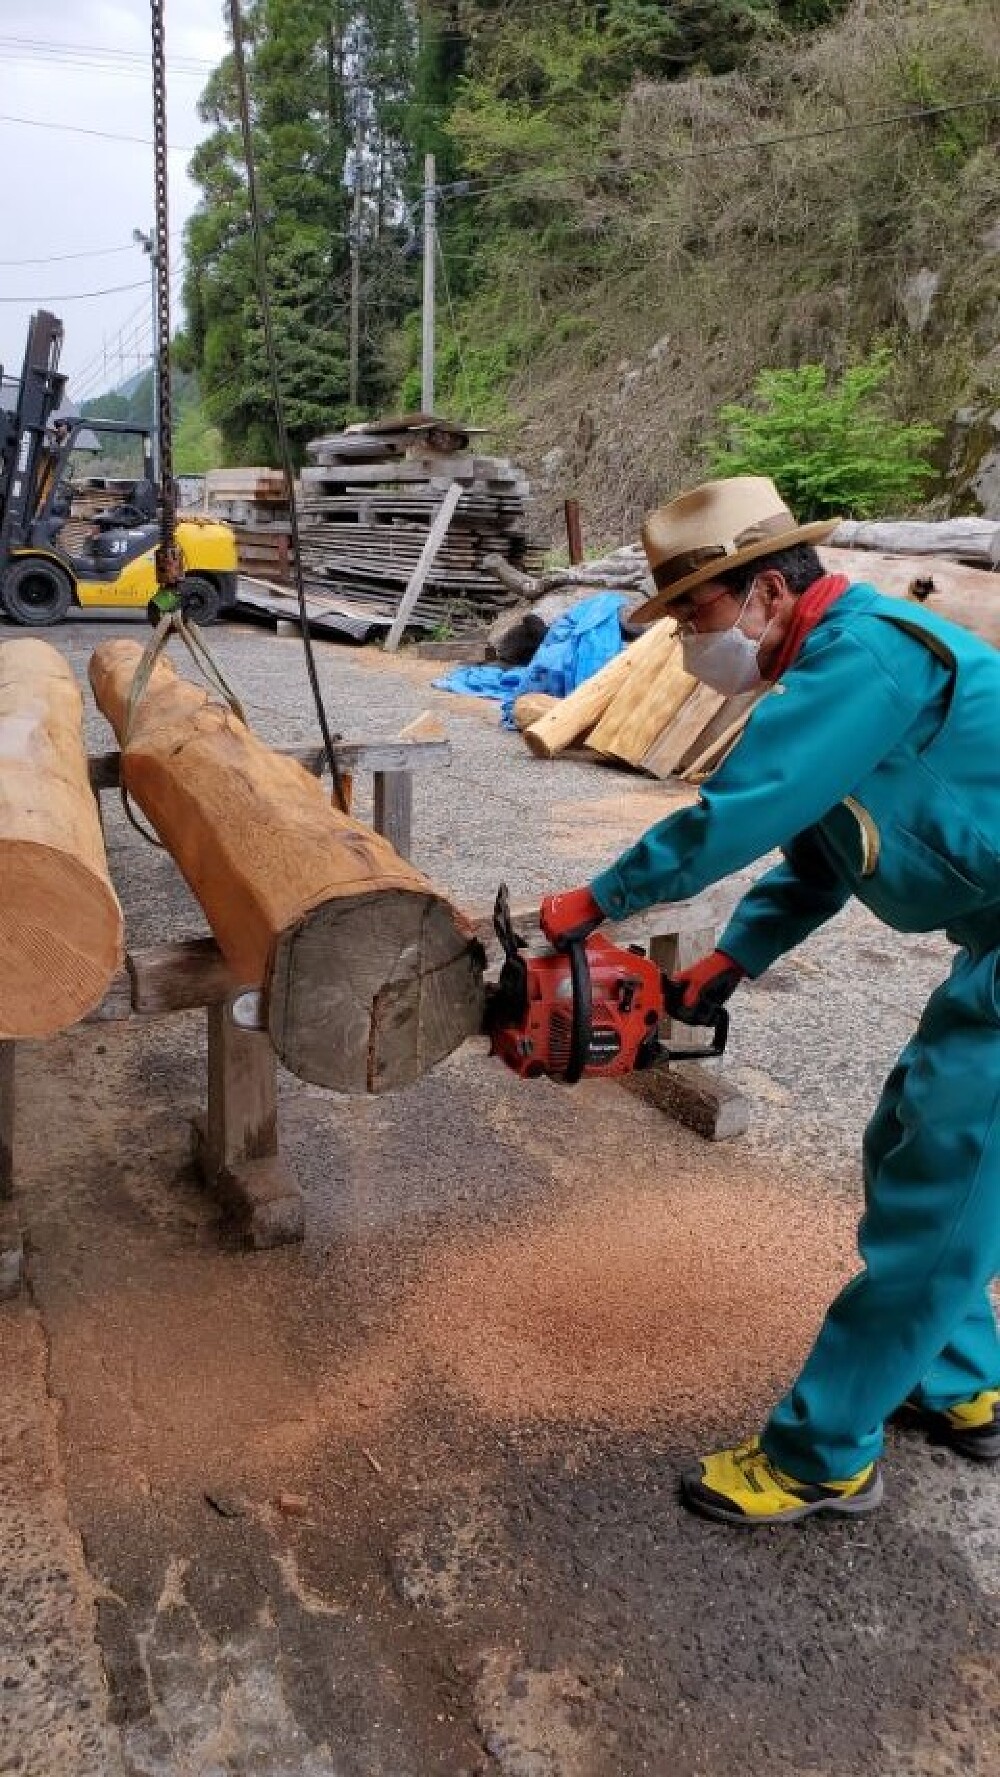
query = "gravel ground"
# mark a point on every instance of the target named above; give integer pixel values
(403, 1500)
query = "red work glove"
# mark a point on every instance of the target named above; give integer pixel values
(699, 992)
(574, 914)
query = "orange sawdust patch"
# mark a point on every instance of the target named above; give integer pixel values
(662, 1305)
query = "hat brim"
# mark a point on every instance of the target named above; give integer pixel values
(724, 564)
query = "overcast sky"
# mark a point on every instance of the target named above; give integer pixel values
(72, 199)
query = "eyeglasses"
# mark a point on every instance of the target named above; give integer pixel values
(685, 616)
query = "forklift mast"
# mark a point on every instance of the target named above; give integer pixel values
(22, 433)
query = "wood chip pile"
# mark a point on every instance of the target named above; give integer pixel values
(367, 502)
(253, 502)
(642, 710)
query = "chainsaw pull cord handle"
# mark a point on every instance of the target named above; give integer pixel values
(583, 1010)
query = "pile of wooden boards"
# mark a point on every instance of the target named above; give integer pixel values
(254, 502)
(642, 709)
(367, 506)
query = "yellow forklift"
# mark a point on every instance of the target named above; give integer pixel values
(46, 566)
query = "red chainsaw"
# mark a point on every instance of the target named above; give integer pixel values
(591, 1008)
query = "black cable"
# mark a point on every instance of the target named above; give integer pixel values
(239, 64)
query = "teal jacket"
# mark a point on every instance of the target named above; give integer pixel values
(874, 765)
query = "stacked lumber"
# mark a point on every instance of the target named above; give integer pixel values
(642, 709)
(368, 974)
(367, 505)
(254, 502)
(60, 922)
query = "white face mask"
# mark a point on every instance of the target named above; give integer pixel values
(726, 659)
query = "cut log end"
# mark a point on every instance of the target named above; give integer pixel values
(60, 941)
(368, 992)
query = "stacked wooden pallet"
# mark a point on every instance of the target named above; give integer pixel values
(642, 710)
(366, 507)
(254, 501)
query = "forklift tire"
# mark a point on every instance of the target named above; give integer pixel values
(202, 599)
(36, 592)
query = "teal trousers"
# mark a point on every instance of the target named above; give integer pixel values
(916, 1320)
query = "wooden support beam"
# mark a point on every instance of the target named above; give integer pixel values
(236, 1144)
(392, 809)
(400, 754)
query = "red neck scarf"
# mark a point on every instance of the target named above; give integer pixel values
(809, 608)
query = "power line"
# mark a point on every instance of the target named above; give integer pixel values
(58, 258)
(77, 295)
(104, 51)
(484, 187)
(75, 129)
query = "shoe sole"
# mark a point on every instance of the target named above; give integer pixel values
(857, 1507)
(983, 1449)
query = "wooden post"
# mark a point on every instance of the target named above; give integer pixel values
(236, 1146)
(392, 808)
(574, 532)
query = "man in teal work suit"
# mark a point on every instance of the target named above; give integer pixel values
(874, 765)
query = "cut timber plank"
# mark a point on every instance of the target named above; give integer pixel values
(576, 715)
(60, 922)
(701, 707)
(644, 707)
(369, 975)
(437, 535)
(718, 737)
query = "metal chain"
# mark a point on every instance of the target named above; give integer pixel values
(169, 566)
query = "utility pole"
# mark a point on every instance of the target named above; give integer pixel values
(148, 244)
(430, 253)
(355, 349)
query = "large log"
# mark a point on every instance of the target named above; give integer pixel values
(60, 922)
(975, 540)
(369, 975)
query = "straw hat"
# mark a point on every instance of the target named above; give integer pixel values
(713, 528)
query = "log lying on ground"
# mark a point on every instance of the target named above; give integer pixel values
(60, 922)
(576, 714)
(370, 976)
(975, 540)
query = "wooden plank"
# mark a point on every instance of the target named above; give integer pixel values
(178, 977)
(361, 474)
(699, 761)
(377, 755)
(678, 737)
(438, 532)
(727, 720)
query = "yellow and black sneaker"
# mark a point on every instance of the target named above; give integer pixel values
(743, 1486)
(972, 1427)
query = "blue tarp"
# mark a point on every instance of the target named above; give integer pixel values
(578, 644)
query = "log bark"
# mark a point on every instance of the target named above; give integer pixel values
(577, 714)
(975, 540)
(369, 975)
(60, 922)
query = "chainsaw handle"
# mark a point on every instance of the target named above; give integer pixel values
(720, 1037)
(583, 1008)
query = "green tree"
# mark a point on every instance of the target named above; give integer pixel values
(831, 447)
